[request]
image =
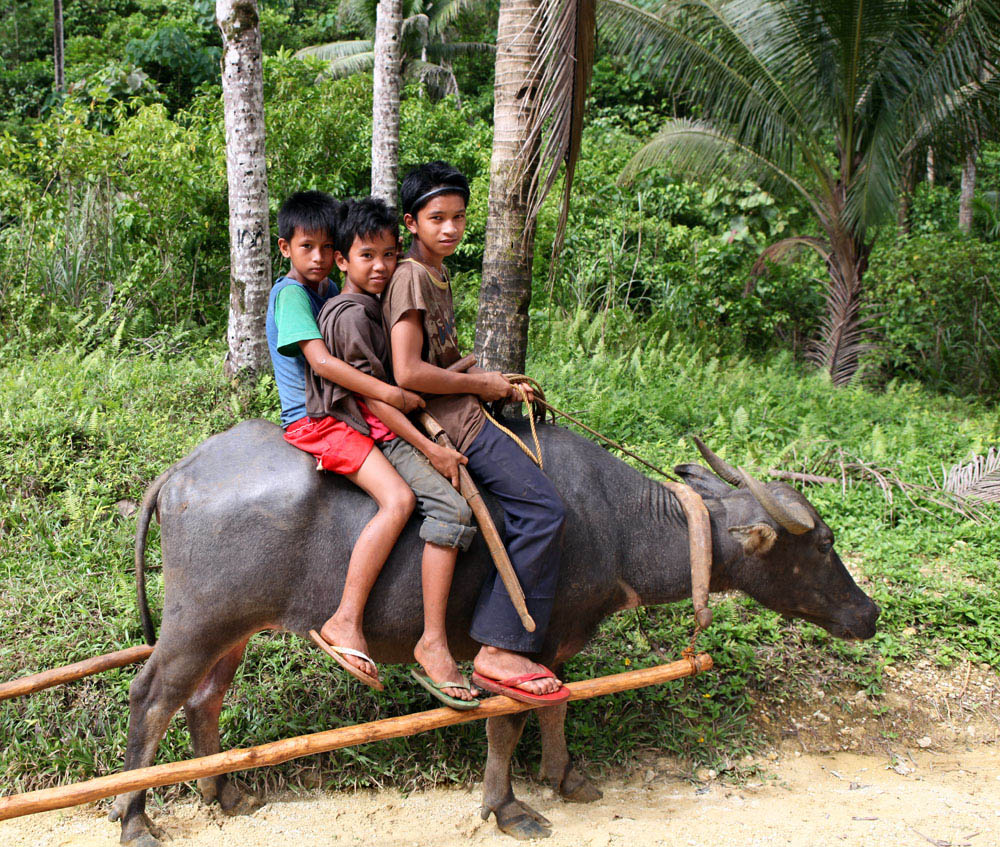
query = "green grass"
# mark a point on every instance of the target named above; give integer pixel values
(80, 433)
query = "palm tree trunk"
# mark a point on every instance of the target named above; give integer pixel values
(968, 191)
(57, 45)
(909, 178)
(246, 168)
(930, 166)
(385, 99)
(502, 327)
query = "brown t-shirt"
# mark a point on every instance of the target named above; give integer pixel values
(351, 325)
(416, 287)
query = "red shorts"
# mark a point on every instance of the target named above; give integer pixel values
(336, 446)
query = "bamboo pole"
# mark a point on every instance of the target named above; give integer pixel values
(78, 670)
(277, 752)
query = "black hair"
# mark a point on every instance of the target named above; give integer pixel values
(363, 218)
(309, 211)
(424, 179)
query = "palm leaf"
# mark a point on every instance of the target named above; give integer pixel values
(563, 70)
(450, 49)
(703, 152)
(335, 50)
(347, 65)
(977, 479)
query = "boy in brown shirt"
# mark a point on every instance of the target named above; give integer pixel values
(418, 311)
(387, 456)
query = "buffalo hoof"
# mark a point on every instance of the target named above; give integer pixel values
(519, 821)
(232, 799)
(576, 788)
(140, 831)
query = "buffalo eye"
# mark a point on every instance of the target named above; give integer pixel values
(826, 547)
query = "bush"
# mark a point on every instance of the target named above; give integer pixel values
(938, 300)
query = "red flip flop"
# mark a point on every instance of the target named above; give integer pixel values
(508, 688)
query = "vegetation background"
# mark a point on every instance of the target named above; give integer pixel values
(113, 295)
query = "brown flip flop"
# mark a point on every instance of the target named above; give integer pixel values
(338, 653)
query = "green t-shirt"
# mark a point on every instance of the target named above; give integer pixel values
(294, 318)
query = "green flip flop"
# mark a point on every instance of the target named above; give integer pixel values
(434, 689)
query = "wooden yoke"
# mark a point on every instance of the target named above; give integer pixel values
(700, 546)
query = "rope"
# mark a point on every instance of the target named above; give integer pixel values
(518, 381)
(536, 457)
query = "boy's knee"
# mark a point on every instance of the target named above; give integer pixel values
(463, 512)
(401, 502)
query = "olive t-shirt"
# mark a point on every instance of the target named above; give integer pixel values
(414, 286)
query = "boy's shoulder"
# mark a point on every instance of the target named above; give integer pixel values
(351, 308)
(409, 269)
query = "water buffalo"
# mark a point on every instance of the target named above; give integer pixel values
(253, 538)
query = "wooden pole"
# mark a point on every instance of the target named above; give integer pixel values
(277, 752)
(78, 670)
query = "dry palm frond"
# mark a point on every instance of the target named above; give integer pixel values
(977, 479)
(564, 66)
(843, 333)
(843, 468)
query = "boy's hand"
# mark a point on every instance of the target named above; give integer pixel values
(495, 386)
(446, 462)
(407, 401)
(515, 393)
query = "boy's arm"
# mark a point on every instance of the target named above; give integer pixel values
(412, 372)
(445, 461)
(328, 366)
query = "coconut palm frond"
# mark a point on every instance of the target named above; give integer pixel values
(562, 70)
(781, 250)
(702, 151)
(440, 79)
(976, 479)
(843, 332)
(717, 53)
(450, 49)
(446, 11)
(335, 50)
(418, 25)
(347, 65)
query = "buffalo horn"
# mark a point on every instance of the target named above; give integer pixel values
(722, 469)
(792, 516)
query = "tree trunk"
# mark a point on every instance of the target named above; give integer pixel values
(968, 191)
(57, 45)
(249, 235)
(930, 166)
(385, 100)
(502, 328)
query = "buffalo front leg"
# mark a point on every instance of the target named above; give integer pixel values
(202, 711)
(513, 817)
(557, 767)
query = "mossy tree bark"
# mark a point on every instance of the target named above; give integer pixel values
(249, 236)
(502, 327)
(965, 209)
(385, 99)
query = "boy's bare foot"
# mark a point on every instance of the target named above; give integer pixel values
(436, 660)
(496, 663)
(346, 634)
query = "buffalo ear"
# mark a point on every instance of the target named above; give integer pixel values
(757, 539)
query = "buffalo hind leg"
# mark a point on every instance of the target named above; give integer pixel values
(513, 817)
(557, 767)
(202, 711)
(166, 681)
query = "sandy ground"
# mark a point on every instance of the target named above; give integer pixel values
(947, 799)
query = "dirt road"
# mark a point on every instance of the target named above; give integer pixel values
(947, 799)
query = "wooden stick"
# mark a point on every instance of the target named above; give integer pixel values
(78, 670)
(277, 752)
(489, 530)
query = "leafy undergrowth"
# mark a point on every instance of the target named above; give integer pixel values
(80, 434)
